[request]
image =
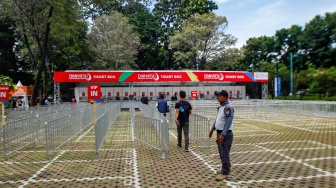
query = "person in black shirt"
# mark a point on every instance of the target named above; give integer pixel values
(174, 97)
(14, 102)
(143, 99)
(182, 111)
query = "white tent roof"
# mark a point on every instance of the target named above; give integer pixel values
(19, 83)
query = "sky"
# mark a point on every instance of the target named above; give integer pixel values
(255, 18)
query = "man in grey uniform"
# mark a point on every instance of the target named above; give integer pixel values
(224, 125)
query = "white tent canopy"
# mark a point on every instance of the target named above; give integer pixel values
(21, 93)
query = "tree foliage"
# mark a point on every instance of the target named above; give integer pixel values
(147, 26)
(114, 42)
(175, 34)
(322, 79)
(313, 48)
(34, 21)
(7, 54)
(171, 14)
(201, 38)
(5, 80)
(225, 60)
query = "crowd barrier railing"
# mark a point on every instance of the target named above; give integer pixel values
(158, 139)
(199, 128)
(149, 131)
(104, 123)
(19, 134)
(57, 133)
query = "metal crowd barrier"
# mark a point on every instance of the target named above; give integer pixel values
(19, 134)
(152, 130)
(62, 130)
(199, 128)
(269, 109)
(25, 126)
(152, 112)
(57, 133)
(104, 122)
(132, 112)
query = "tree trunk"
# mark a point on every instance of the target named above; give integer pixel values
(42, 63)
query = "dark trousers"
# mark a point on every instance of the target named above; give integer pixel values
(224, 152)
(185, 127)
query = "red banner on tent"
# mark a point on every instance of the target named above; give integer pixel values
(87, 76)
(152, 76)
(234, 76)
(160, 76)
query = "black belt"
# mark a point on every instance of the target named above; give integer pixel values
(220, 131)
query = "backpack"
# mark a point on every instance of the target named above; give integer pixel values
(183, 112)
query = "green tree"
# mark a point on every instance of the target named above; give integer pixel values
(226, 60)
(322, 80)
(114, 42)
(258, 50)
(34, 21)
(74, 53)
(319, 34)
(5, 80)
(147, 26)
(7, 41)
(171, 14)
(201, 38)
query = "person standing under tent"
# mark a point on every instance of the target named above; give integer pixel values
(46, 101)
(174, 97)
(19, 103)
(14, 102)
(73, 100)
(173, 100)
(143, 99)
(162, 105)
(224, 125)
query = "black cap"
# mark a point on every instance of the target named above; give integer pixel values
(223, 92)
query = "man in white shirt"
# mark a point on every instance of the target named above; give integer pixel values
(224, 125)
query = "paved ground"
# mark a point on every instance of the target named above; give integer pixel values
(266, 153)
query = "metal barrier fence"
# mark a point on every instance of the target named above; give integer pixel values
(132, 112)
(19, 134)
(152, 130)
(62, 130)
(132, 119)
(199, 127)
(57, 134)
(104, 122)
(153, 112)
(269, 109)
(59, 124)
(13, 114)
